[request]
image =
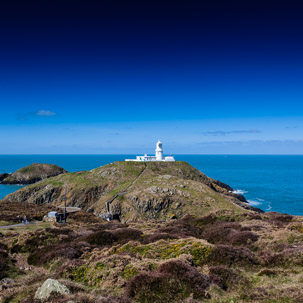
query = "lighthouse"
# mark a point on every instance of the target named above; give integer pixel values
(157, 157)
(159, 151)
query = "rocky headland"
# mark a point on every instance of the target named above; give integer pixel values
(184, 238)
(32, 174)
(134, 190)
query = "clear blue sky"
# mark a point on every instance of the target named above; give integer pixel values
(115, 76)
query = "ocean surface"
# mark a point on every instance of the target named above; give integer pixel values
(272, 183)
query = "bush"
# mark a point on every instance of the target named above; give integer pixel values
(100, 238)
(44, 238)
(224, 276)
(172, 281)
(3, 247)
(3, 264)
(287, 257)
(242, 238)
(229, 255)
(199, 221)
(181, 229)
(63, 250)
(217, 233)
(229, 233)
(279, 219)
(189, 275)
(157, 236)
(124, 235)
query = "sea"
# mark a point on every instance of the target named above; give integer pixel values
(269, 182)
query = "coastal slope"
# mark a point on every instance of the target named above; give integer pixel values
(134, 190)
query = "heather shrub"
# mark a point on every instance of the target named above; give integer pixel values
(189, 275)
(181, 229)
(3, 247)
(246, 228)
(242, 238)
(124, 235)
(287, 257)
(42, 239)
(224, 277)
(218, 232)
(229, 255)
(279, 219)
(172, 281)
(16, 249)
(108, 226)
(209, 219)
(157, 236)
(3, 264)
(100, 238)
(58, 231)
(45, 255)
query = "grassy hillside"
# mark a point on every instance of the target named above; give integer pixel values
(147, 191)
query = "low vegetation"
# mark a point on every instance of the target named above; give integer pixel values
(223, 257)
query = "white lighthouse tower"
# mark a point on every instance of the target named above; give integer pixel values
(157, 157)
(159, 151)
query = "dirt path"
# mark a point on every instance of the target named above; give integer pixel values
(68, 210)
(125, 191)
(19, 224)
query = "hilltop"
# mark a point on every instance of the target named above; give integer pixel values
(32, 174)
(135, 190)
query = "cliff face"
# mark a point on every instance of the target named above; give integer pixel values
(133, 190)
(32, 174)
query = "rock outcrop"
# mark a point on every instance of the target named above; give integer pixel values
(147, 191)
(50, 287)
(32, 174)
(3, 176)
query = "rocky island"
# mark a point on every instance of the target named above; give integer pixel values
(32, 174)
(182, 237)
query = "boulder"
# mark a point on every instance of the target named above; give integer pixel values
(49, 287)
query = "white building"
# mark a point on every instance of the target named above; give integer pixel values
(158, 156)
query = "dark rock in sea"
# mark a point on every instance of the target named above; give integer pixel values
(3, 176)
(32, 174)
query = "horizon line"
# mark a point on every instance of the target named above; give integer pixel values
(116, 154)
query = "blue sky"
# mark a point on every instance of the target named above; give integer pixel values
(110, 77)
